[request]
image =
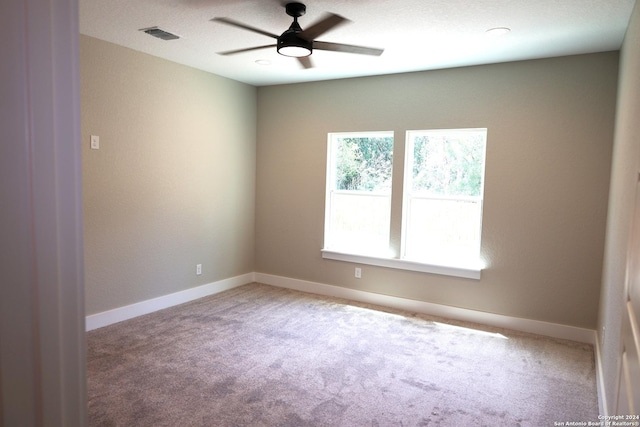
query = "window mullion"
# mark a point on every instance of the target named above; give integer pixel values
(407, 193)
(397, 199)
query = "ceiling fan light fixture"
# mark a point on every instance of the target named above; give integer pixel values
(294, 51)
(289, 44)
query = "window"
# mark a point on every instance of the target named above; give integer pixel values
(443, 190)
(440, 208)
(358, 201)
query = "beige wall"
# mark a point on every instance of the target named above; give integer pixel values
(625, 168)
(173, 184)
(550, 127)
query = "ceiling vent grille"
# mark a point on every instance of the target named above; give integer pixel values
(159, 33)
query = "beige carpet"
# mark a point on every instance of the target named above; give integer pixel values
(264, 356)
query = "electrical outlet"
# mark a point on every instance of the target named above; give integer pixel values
(95, 142)
(358, 273)
(199, 269)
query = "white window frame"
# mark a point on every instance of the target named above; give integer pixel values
(466, 268)
(330, 184)
(408, 194)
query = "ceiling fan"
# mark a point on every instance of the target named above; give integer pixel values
(299, 43)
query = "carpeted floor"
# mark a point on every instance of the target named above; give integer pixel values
(264, 356)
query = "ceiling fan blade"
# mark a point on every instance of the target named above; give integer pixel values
(247, 49)
(305, 61)
(244, 26)
(348, 48)
(329, 22)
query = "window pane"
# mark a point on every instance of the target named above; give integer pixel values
(363, 163)
(442, 229)
(443, 195)
(448, 163)
(360, 222)
(359, 192)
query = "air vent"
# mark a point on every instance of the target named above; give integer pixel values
(161, 34)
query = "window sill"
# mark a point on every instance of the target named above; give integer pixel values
(468, 272)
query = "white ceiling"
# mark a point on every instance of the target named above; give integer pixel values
(416, 34)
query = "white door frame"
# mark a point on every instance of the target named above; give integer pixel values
(42, 344)
(628, 397)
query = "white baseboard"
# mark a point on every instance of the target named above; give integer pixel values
(110, 317)
(524, 325)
